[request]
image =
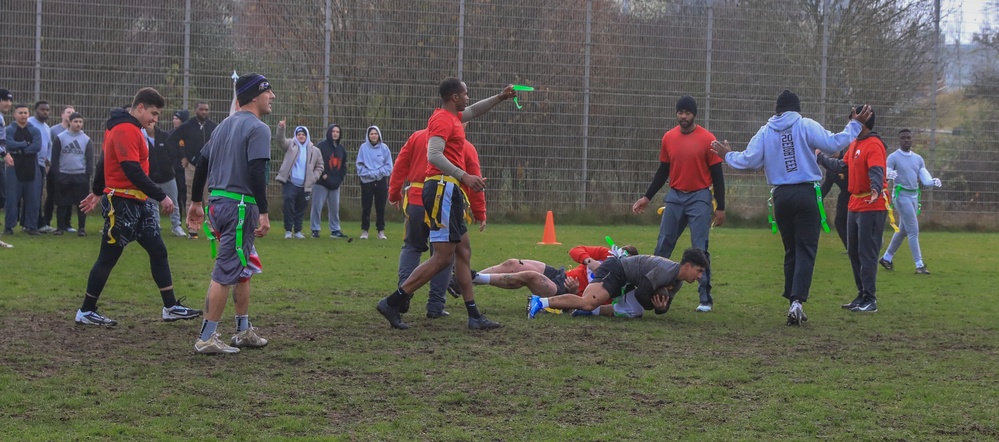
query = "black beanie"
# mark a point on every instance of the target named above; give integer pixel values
(249, 86)
(787, 101)
(183, 115)
(687, 103)
(870, 121)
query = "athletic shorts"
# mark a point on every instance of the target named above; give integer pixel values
(558, 277)
(448, 224)
(224, 216)
(611, 274)
(628, 307)
(128, 219)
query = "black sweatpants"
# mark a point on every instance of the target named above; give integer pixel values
(865, 234)
(377, 191)
(796, 212)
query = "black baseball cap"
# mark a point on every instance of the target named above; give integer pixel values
(5, 95)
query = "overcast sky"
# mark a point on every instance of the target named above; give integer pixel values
(968, 17)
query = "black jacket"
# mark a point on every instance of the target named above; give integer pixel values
(334, 160)
(162, 158)
(191, 137)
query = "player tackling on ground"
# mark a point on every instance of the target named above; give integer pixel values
(234, 165)
(444, 200)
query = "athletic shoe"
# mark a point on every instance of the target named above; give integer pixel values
(381, 234)
(868, 306)
(32, 232)
(81, 232)
(179, 311)
(214, 346)
(71, 230)
(435, 315)
(534, 306)
(404, 307)
(59, 232)
(391, 314)
(337, 235)
(178, 232)
(796, 314)
(922, 271)
(46, 229)
(287, 234)
(453, 288)
(94, 318)
(703, 308)
(8, 231)
(856, 301)
(248, 339)
(191, 234)
(299, 235)
(886, 264)
(315, 234)
(482, 323)
(580, 312)
(364, 234)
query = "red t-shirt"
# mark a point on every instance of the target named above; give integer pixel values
(689, 157)
(123, 142)
(860, 157)
(476, 199)
(411, 166)
(581, 272)
(446, 125)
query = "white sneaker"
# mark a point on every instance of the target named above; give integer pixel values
(299, 235)
(703, 308)
(287, 235)
(364, 234)
(213, 346)
(179, 232)
(248, 338)
(381, 234)
(47, 229)
(94, 318)
(71, 230)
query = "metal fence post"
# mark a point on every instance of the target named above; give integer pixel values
(187, 51)
(586, 103)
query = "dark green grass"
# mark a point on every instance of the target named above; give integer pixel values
(921, 369)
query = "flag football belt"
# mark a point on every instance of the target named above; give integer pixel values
(888, 207)
(110, 191)
(243, 199)
(405, 196)
(818, 200)
(430, 217)
(919, 197)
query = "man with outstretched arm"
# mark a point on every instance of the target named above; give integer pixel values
(234, 165)
(444, 197)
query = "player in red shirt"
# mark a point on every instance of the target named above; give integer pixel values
(446, 182)
(129, 208)
(692, 168)
(864, 162)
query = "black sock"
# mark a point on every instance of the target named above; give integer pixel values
(397, 298)
(89, 303)
(168, 299)
(473, 311)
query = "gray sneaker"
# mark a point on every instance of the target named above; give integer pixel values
(94, 318)
(248, 338)
(482, 323)
(391, 314)
(213, 346)
(922, 271)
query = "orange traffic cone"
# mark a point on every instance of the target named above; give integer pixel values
(549, 237)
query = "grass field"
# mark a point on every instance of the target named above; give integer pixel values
(923, 368)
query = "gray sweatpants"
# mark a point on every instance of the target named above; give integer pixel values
(864, 236)
(331, 198)
(683, 209)
(413, 246)
(170, 189)
(906, 208)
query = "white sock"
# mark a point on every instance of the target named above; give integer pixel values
(888, 257)
(596, 311)
(481, 279)
(544, 302)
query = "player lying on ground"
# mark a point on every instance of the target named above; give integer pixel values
(545, 280)
(649, 276)
(627, 306)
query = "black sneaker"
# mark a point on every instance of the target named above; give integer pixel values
(886, 264)
(482, 323)
(869, 306)
(453, 288)
(32, 232)
(192, 234)
(856, 301)
(435, 315)
(59, 232)
(337, 235)
(315, 234)
(81, 232)
(8, 231)
(922, 271)
(179, 311)
(391, 314)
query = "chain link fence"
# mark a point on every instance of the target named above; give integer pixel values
(607, 75)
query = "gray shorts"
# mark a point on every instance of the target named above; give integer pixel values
(224, 216)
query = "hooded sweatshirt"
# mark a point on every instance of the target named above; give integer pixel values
(298, 167)
(294, 154)
(785, 148)
(334, 160)
(374, 162)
